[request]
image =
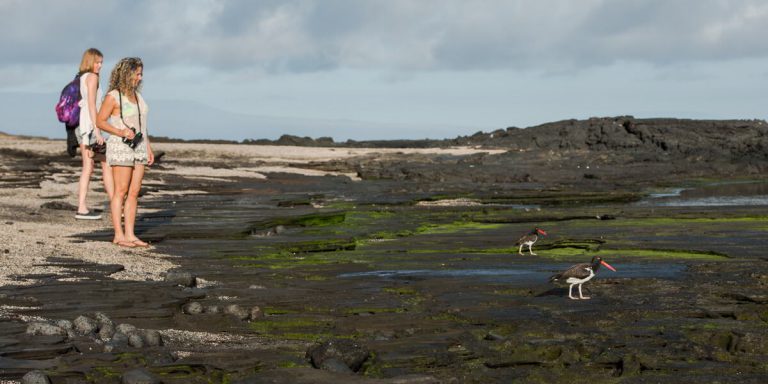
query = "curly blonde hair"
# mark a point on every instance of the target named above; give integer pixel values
(122, 75)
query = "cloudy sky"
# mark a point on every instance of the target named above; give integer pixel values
(385, 69)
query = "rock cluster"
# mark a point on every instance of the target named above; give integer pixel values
(235, 310)
(97, 330)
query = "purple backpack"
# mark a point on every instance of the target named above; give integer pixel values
(68, 107)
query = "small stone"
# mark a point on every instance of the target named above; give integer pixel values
(64, 324)
(45, 329)
(138, 376)
(106, 332)
(184, 279)
(255, 313)
(352, 354)
(192, 308)
(102, 318)
(152, 338)
(85, 325)
(125, 328)
(119, 338)
(236, 311)
(35, 377)
(135, 340)
(212, 309)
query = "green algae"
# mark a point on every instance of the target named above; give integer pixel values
(614, 253)
(287, 324)
(296, 328)
(587, 251)
(278, 311)
(320, 219)
(455, 227)
(400, 290)
(373, 310)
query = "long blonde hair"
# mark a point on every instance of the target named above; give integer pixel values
(122, 74)
(89, 59)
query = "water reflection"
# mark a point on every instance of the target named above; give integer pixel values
(523, 273)
(719, 194)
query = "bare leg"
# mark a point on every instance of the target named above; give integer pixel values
(582, 296)
(109, 182)
(530, 250)
(85, 179)
(122, 179)
(570, 292)
(131, 205)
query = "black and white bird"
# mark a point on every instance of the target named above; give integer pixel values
(580, 274)
(528, 239)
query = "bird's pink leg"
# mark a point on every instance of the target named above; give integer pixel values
(582, 296)
(570, 293)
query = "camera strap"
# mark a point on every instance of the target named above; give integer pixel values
(138, 108)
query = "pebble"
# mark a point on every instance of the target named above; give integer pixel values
(35, 377)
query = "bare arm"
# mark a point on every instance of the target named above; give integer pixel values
(91, 84)
(107, 108)
(150, 153)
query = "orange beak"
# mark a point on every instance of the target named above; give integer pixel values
(607, 265)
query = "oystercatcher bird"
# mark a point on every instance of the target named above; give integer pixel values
(580, 274)
(528, 239)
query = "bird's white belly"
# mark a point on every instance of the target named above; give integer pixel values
(576, 280)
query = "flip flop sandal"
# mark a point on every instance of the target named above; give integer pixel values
(140, 243)
(126, 244)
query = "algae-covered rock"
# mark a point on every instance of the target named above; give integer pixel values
(139, 376)
(352, 354)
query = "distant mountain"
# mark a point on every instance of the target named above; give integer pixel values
(33, 114)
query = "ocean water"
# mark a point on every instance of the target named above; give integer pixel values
(711, 195)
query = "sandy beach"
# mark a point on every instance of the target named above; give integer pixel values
(30, 234)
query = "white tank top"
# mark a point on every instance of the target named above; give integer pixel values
(86, 125)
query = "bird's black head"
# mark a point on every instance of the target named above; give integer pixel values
(597, 261)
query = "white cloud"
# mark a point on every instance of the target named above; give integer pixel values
(302, 35)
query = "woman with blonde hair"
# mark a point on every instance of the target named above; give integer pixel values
(124, 115)
(87, 133)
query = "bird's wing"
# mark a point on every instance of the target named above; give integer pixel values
(524, 239)
(578, 271)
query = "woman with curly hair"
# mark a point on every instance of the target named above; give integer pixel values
(124, 115)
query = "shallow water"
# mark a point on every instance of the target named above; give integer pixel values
(525, 273)
(711, 195)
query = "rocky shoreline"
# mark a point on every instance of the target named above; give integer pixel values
(315, 265)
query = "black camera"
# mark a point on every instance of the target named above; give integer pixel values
(136, 138)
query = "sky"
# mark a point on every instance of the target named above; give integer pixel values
(390, 69)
